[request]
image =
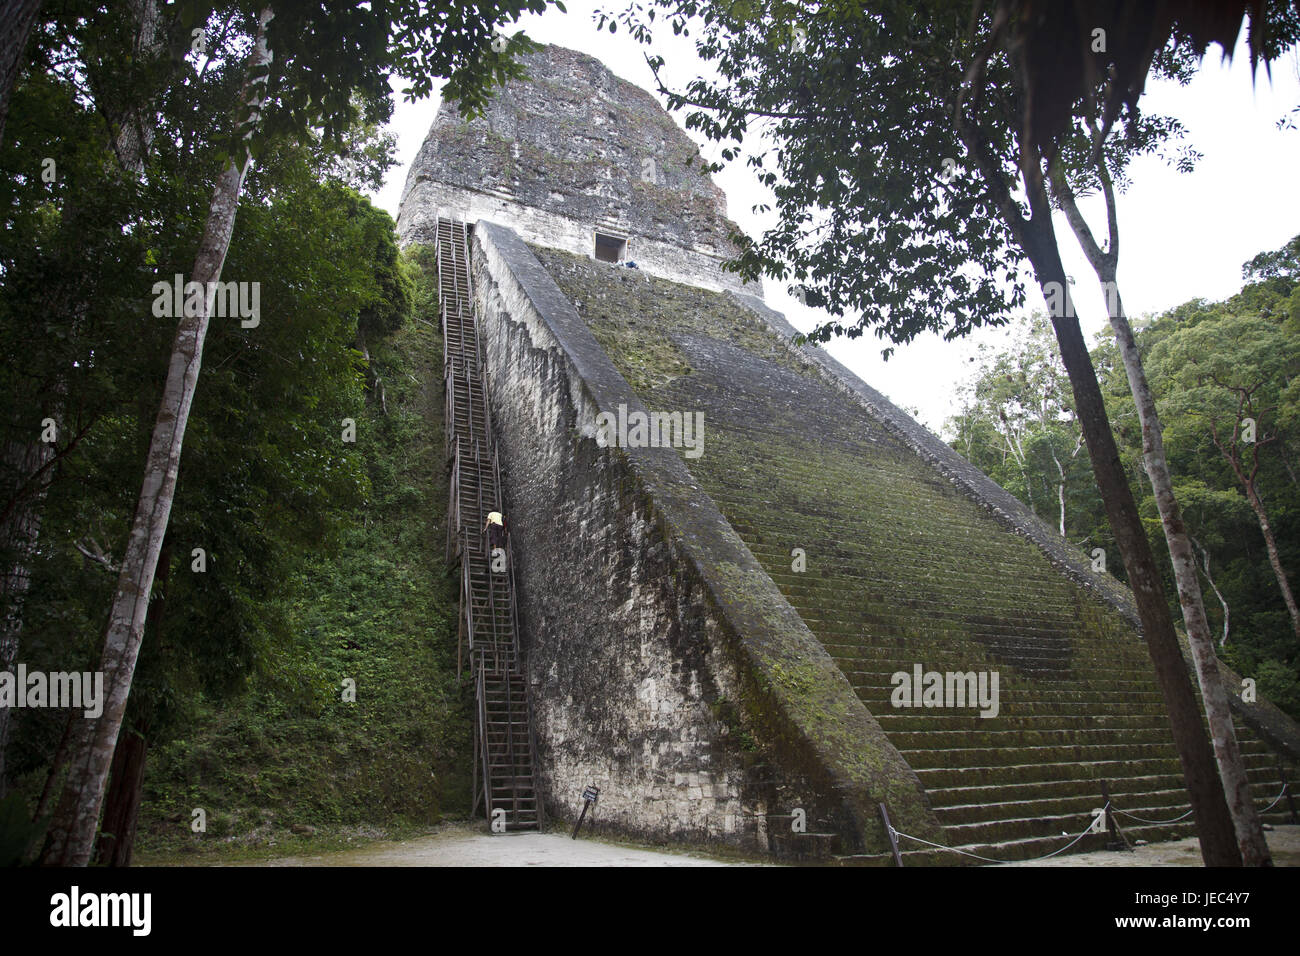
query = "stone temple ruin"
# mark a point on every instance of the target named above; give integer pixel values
(712, 639)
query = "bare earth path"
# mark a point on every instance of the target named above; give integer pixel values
(466, 846)
(471, 847)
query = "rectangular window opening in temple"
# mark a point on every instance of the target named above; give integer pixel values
(610, 248)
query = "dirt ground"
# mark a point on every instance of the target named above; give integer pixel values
(469, 846)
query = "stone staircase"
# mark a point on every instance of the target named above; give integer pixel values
(904, 569)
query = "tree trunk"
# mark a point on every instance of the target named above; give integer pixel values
(17, 17)
(1205, 569)
(126, 779)
(1227, 752)
(19, 531)
(1218, 845)
(1232, 769)
(1060, 491)
(134, 130)
(56, 765)
(1274, 557)
(122, 805)
(1036, 236)
(71, 837)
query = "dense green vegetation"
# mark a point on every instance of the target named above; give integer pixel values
(241, 695)
(1211, 366)
(225, 547)
(378, 609)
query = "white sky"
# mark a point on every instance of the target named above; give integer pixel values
(1181, 236)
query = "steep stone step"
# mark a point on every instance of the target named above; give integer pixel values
(994, 794)
(951, 739)
(883, 664)
(1158, 804)
(904, 642)
(926, 759)
(955, 647)
(902, 575)
(1011, 695)
(878, 685)
(904, 569)
(1021, 708)
(1018, 850)
(935, 778)
(921, 720)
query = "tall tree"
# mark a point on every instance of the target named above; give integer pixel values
(1206, 511)
(1227, 752)
(1021, 395)
(72, 238)
(72, 833)
(263, 476)
(1219, 517)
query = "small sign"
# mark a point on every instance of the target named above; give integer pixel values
(589, 796)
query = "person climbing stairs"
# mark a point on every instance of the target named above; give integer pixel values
(504, 746)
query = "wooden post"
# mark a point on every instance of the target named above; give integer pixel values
(582, 816)
(889, 831)
(474, 775)
(1117, 839)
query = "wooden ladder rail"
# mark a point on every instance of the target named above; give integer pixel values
(505, 701)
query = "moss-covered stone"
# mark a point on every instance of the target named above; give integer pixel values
(902, 568)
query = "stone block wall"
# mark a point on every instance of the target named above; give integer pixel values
(571, 150)
(695, 266)
(666, 667)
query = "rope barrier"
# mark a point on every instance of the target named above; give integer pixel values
(1089, 829)
(1134, 816)
(1280, 795)
(976, 856)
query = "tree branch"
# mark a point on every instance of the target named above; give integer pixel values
(98, 555)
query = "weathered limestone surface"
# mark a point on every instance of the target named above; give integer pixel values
(601, 154)
(912, 558)
(667, 668)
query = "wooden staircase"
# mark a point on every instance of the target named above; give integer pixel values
(504, 747)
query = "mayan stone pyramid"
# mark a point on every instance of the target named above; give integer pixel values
(715, 639)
